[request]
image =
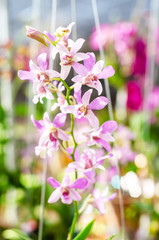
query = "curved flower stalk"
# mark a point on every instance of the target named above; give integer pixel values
(84, 154)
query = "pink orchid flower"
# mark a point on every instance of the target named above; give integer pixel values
(100, 199)
(87, 163)
(102, 136)
(66, 191)
(91, 72)
(70, 56)
(84, 108)
(40, 77)
(50, 134)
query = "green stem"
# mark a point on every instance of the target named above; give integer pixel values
(76, 214)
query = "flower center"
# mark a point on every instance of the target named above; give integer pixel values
(42, 90)
(53, 134)
(88, 163)
(42, 77)
(67, 59)
(91, 78)
(82, 110)
(65, 192)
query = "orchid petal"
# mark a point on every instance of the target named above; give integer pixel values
(59, 120)
(77, 45)
(86, 97)
(65, 71)
(52, 74)
(80, 69)
(36, 123)
(98, 67)
(109, 126)
(99, 87)
(26, 75)
(89, 62)
(98, 103)
(55, 196)
(80, 183)
(75, 195)
(62, 135)
(107, 72)
(93, 120)
(105, 144)
(80, 57)
(53, 182)
(33, 66)
(42, 61)
(90, 174)
(77, 96)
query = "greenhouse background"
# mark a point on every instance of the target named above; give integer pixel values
(124, 34)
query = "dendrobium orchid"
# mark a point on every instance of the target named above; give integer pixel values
(91, 72)
(66, 191)
(50, 134)
(84, 108)
(87, 163)
(99, 199)
(102, 136)
(77, 144)
(70, 57)
(41, 78)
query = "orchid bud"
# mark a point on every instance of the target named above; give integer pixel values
(35, 34)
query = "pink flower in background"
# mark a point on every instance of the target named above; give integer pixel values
(70, 57)
(106, 36)
(84, 108)
(134, 96)
(40, 77)
(103, 135)
(50, 134)
(91, 72)
(66, 191)
(139, 63)
(88, 162)
(153, 99)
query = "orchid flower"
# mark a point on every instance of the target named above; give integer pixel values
(70, 56)
(66, 191)
(50, 134)
(91, 72)
(102, 136)
(88, 162)
(35, 34)
(84, 108)
(40, 77)
(99, 199)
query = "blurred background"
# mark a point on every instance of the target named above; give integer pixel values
(130, 39)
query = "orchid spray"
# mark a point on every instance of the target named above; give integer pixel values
(87, 148)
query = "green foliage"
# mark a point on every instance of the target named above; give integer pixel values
(15, 234)
(84, 233)
(112, 237)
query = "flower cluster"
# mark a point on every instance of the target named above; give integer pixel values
(76, 108)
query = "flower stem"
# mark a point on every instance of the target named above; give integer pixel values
(76, 214)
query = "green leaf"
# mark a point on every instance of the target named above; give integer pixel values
(15, 234)
(84, 233)
(112, 237)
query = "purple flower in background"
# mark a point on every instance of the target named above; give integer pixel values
(50, 134)
(103, 135)
(91, 72)
(84, 108)
(66, 191)
(134, 96)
